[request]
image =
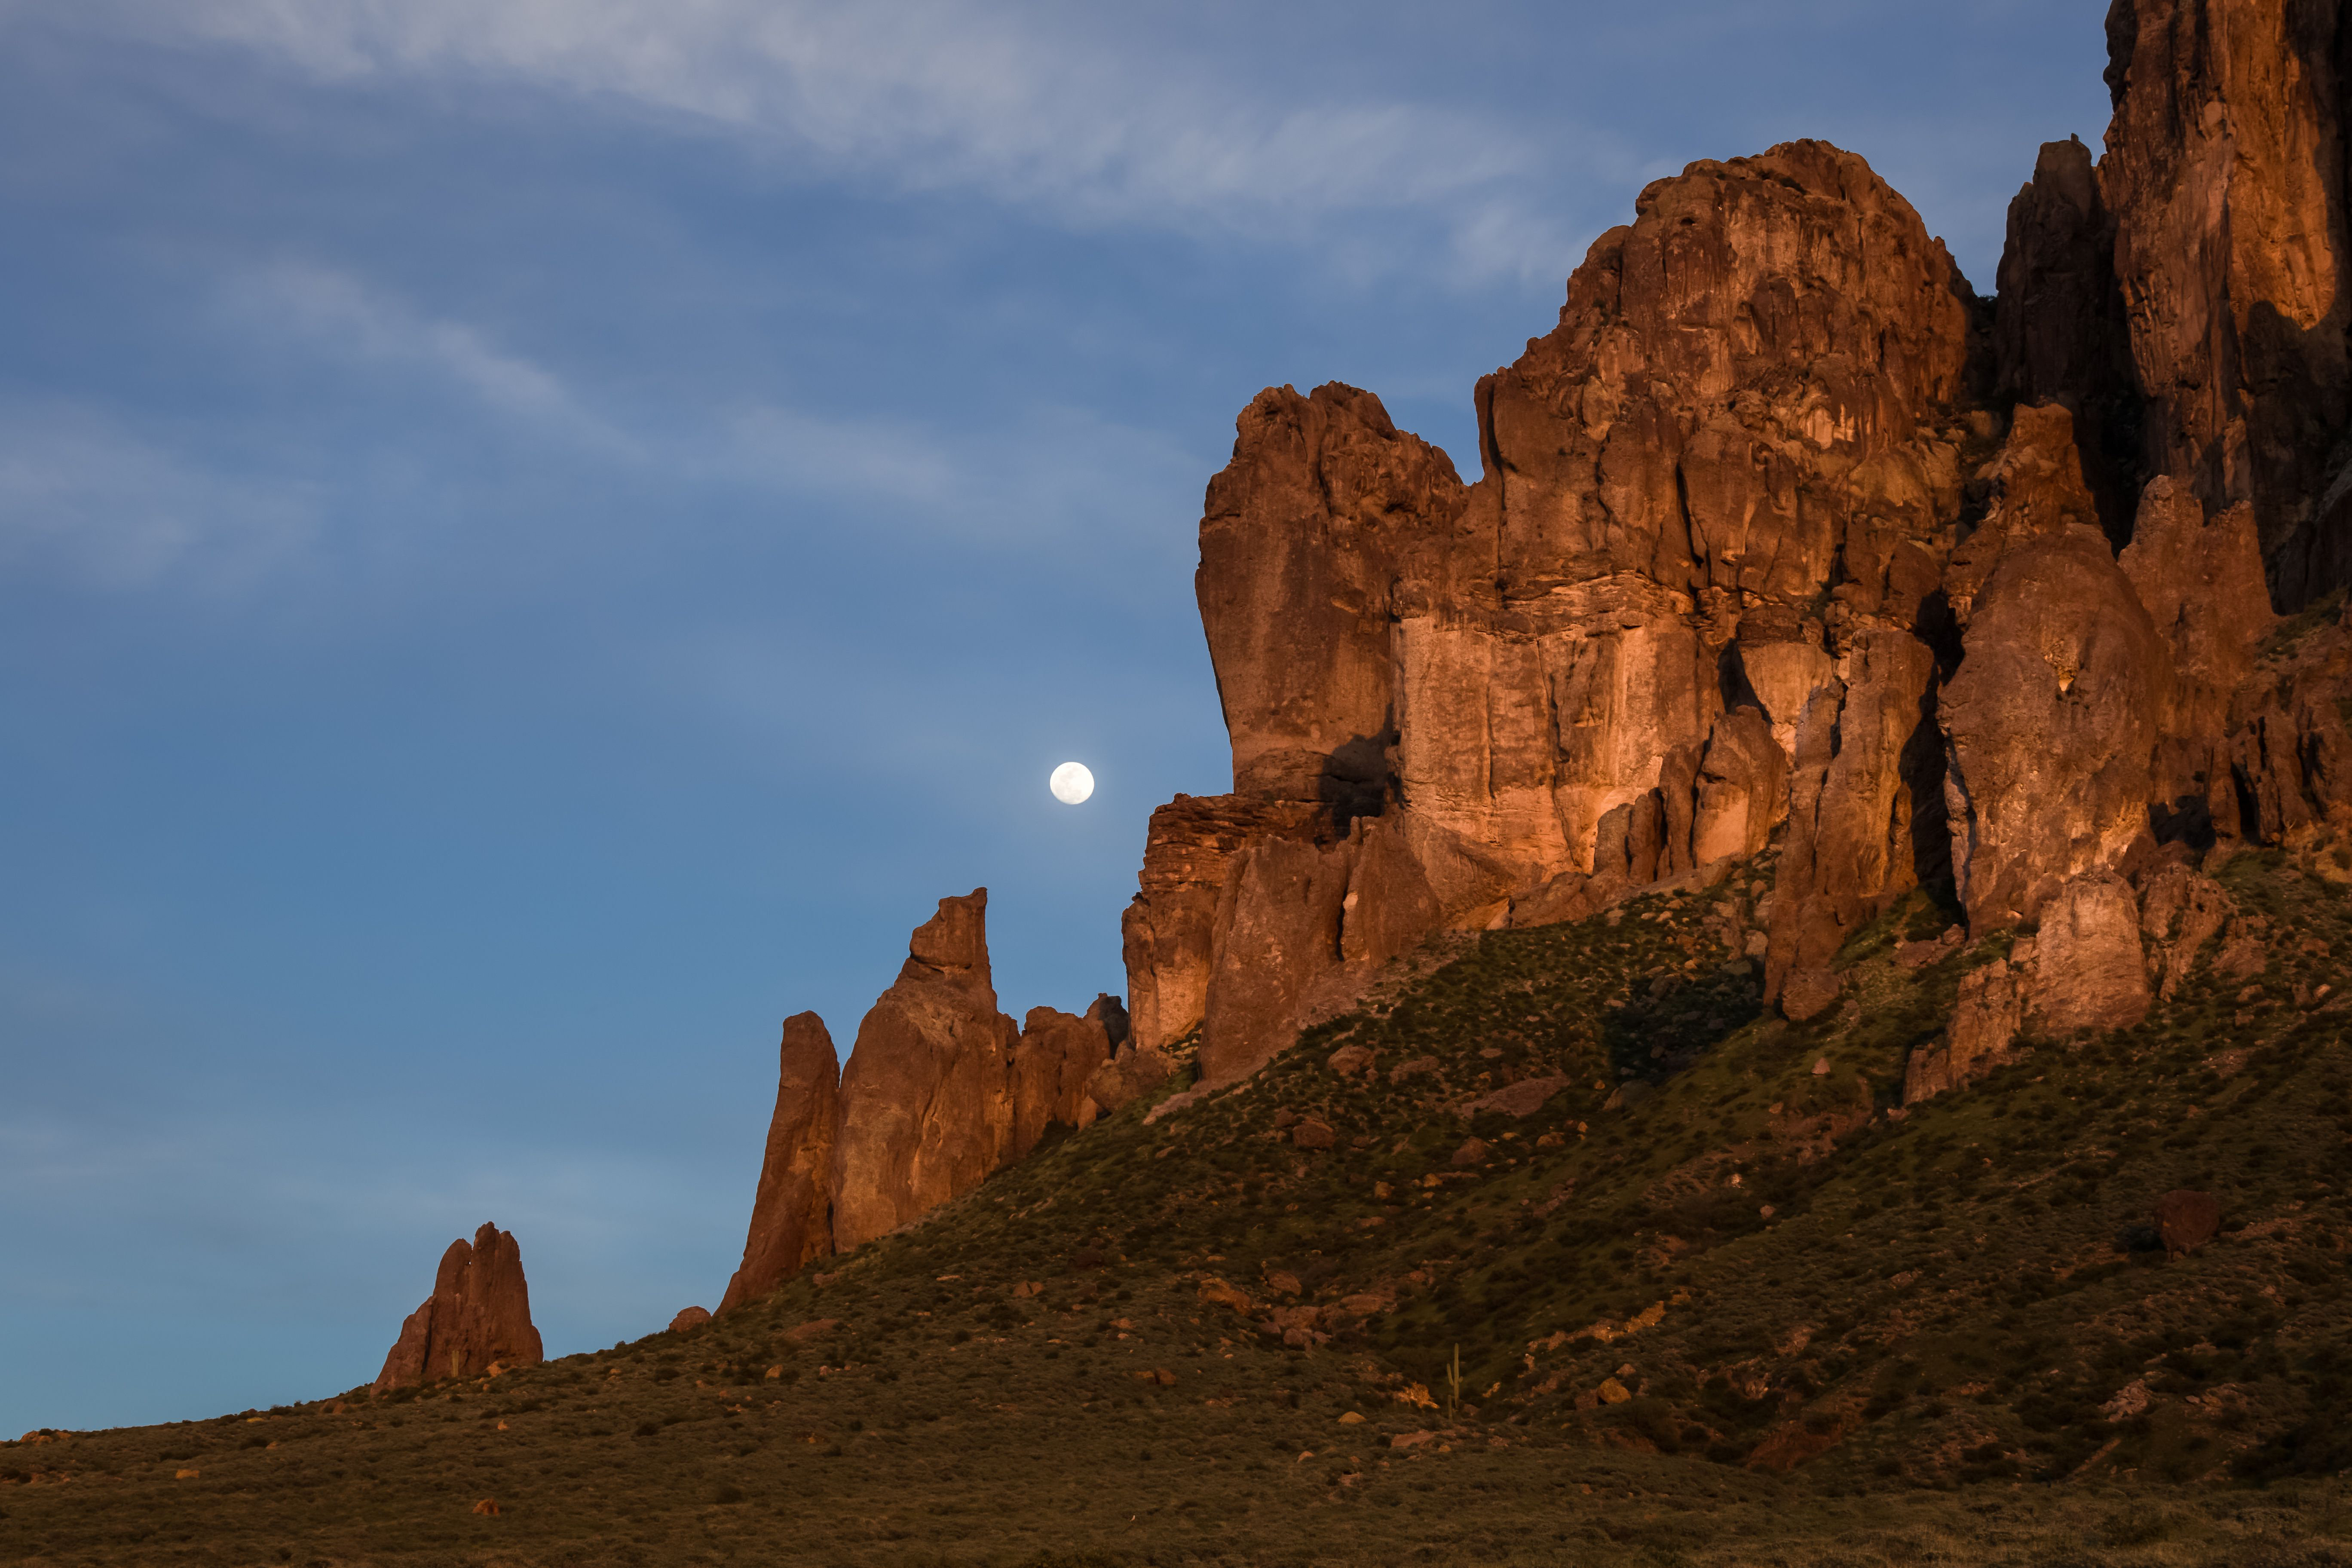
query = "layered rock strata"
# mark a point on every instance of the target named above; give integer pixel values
(478, 1317)
(1781, 531)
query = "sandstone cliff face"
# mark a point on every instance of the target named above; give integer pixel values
(1623, 622)
(478, 1316)
(2225, 174)
(1301, 542)
(1169, 933)
(791, 1213)
(1780, 531)
(926, 1097)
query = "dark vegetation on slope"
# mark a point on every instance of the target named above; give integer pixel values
(1571, 1336)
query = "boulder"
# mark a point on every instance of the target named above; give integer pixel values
(478, 1316)
(2187, 1220)
(1131, 1074)
(927, 1104)
(1522, 1099)
(792, 1210)
(2051, 726)
(2181, 911)
(1985, 1020)
(689, 1319)
(2088, 970)
(1313, 1132)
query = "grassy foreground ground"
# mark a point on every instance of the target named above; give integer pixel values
(1717, 1299)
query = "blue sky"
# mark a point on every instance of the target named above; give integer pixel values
(538, 536)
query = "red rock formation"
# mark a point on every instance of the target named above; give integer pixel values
(791, 1213)
(2053, 720)
(1737, 507)
(1299, 547)
(2187, 1220)
(1850, 824)
(927, 1096)
(2089, 971)
(2290, 747)
(1985, 1021)
(689, 1319)
(2059, 328)
(478, 1316)
(1745, 400)
(2225, 177)
(2201, 579)
(1053, 1064)
(1170, 932)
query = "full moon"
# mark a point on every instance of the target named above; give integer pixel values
(1071, 782)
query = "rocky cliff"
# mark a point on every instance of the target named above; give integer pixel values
(478, 1317)
(1782, 531)
(791, 1212)
(940, 1090)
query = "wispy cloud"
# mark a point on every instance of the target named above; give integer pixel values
(1043, 475)
(1056, 112)
(348, 315)
(86, 499)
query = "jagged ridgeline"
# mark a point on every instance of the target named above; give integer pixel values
(1772, 972)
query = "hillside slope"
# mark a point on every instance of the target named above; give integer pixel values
(1719, 1298)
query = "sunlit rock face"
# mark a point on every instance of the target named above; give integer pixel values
(2225, 176)
(791, 1212)
(477, 1317)
(1781, 534)
(926, 1101)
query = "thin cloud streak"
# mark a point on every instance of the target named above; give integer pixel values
(86, 500)
(929, 96)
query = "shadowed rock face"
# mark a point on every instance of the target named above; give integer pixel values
(792, 1214)
(2225, 177)
(2053, 722)
(1055, 1061)
(478, 1314)
(927, 1096)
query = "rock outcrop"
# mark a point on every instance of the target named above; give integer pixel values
(2052, 723)
(1514, 701)
(1781, 531)
(791, 1213)
(1985, 1022)
(940, 1092)
(478, 1317)
(2090, 972)
(1052, 1066)
(927, 1094)
(2225, 176)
